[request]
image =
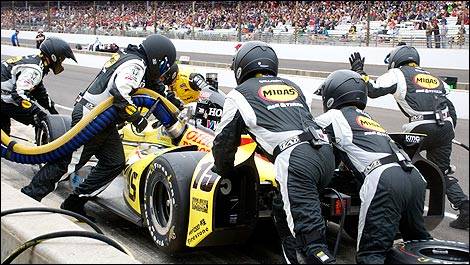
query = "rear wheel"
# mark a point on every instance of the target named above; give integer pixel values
(429, 252)
(166, 199)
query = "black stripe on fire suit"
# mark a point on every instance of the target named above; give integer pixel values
(414, 97)
(301, 170)
(391, 198)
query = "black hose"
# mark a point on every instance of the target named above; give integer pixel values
(341, 223)
(44, 237)
(54, 210)
(460, 144)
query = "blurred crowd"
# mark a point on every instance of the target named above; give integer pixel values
(256, 16)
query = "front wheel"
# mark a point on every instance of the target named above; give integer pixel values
(166, 199)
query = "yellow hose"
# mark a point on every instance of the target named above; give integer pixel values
(42, 149)
(155, 95)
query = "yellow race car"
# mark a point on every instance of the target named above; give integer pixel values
(168, 186)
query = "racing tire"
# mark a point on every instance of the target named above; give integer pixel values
(165, 206)
(428, 252)
(52, 127)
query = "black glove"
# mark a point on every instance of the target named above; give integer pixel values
(38, 117)
(170, 95)
(196, 81)
(357, 63)
(51, 108)
(140, 123)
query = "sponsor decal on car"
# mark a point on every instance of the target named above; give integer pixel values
(198, 230)
(200, 205)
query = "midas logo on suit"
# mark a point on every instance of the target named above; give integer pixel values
(369, 124)
(279, 93)
(426, 81)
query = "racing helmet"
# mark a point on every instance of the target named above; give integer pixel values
(56, 50)
(254, 57)
(401, 55)
(183, 87)
(160, 55)
(344, 88)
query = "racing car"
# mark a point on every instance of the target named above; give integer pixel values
(169, 186)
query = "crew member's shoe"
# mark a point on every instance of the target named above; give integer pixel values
(462, 221)
(76, 204)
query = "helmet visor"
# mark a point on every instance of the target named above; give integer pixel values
(164, 66)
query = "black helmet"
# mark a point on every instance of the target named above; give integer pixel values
(402, 55)
(254, 57)
(343, 88)
(57, 50)
(160, 53)
(169, 77)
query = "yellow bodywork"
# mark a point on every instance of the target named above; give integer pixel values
(139, 153)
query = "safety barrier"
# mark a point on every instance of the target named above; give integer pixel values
(90, 125)
(19, 228)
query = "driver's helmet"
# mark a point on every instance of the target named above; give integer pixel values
(209, 108)
(207, 111)
(184, 89)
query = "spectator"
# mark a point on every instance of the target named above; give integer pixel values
(257, 16)
(14, 38)
(429, 34)
(437, 37)
(40, 38)
(461, 36)
(443, 33)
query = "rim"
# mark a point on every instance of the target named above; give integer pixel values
(161, 204)
(447, 254)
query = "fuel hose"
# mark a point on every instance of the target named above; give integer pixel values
(89, 126)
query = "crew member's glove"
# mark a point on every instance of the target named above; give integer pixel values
(357, 63)
(52, 109)
(140, 123)
(170, 95)
(196, 81)
(38, 118)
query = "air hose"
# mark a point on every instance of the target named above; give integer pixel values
(61, 234)
(90, 125)
(54, 210)
(98, 235)
(341, 223)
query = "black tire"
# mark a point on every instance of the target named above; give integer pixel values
(428, 252)
(165, 206)
(52, 127)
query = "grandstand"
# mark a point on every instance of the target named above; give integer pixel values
(307, 22)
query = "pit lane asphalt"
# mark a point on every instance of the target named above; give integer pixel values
(374, 70)
(263, 247)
